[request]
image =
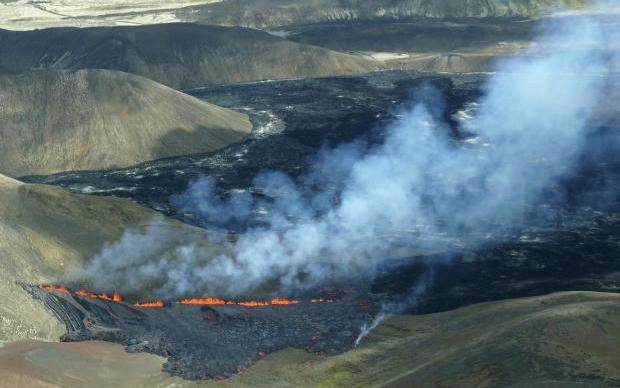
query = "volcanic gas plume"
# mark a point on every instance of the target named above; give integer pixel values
(420, 188)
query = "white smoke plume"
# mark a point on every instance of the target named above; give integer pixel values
(367, 328)
(419, 185)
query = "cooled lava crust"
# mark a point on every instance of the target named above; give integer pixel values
(214, 341)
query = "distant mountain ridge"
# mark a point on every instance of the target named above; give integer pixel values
(178, 55)
(277, 13)
(28, 15)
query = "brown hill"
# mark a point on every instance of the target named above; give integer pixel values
(177, 55)
(45, 231)
(53, 120)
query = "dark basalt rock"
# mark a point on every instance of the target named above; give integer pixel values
(582, 259)
(202, 342)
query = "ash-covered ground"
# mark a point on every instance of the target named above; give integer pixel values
(213, 341)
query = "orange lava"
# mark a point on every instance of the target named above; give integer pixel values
(156, 303)
(104, 296)
(54, 287)
(249, 303)
(284, 301)
(87, 294)
(252, 303)
(201, 301)
(116, 297)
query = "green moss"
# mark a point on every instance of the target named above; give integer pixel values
(341, 374)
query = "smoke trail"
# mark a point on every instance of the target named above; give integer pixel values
(237, 208)
(419, 187)
(366, 329)
(398, 305)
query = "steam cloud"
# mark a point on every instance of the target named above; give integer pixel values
(417, 188)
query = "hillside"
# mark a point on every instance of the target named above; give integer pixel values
(53, 120)
(421, 36)
(177, 55)
(27, 15)
(565, 339)
(277, 13)
(432, 45)
(44, 231)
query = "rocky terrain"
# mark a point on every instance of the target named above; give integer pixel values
(218, 339)
(56, 120)
(565, 339)
(176, 55)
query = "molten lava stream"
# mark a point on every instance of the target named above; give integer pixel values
(104, 296)
(87, 294)
(157, 303)
(278, 301)
(250, 303)
(116, 297)
(201, 301)
(53, 287)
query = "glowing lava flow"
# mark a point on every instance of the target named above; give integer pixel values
(157, 303)
(277, 301)
(250, 303)
(202, 301)
(116, 297)
(53, 287)
(87, 294)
